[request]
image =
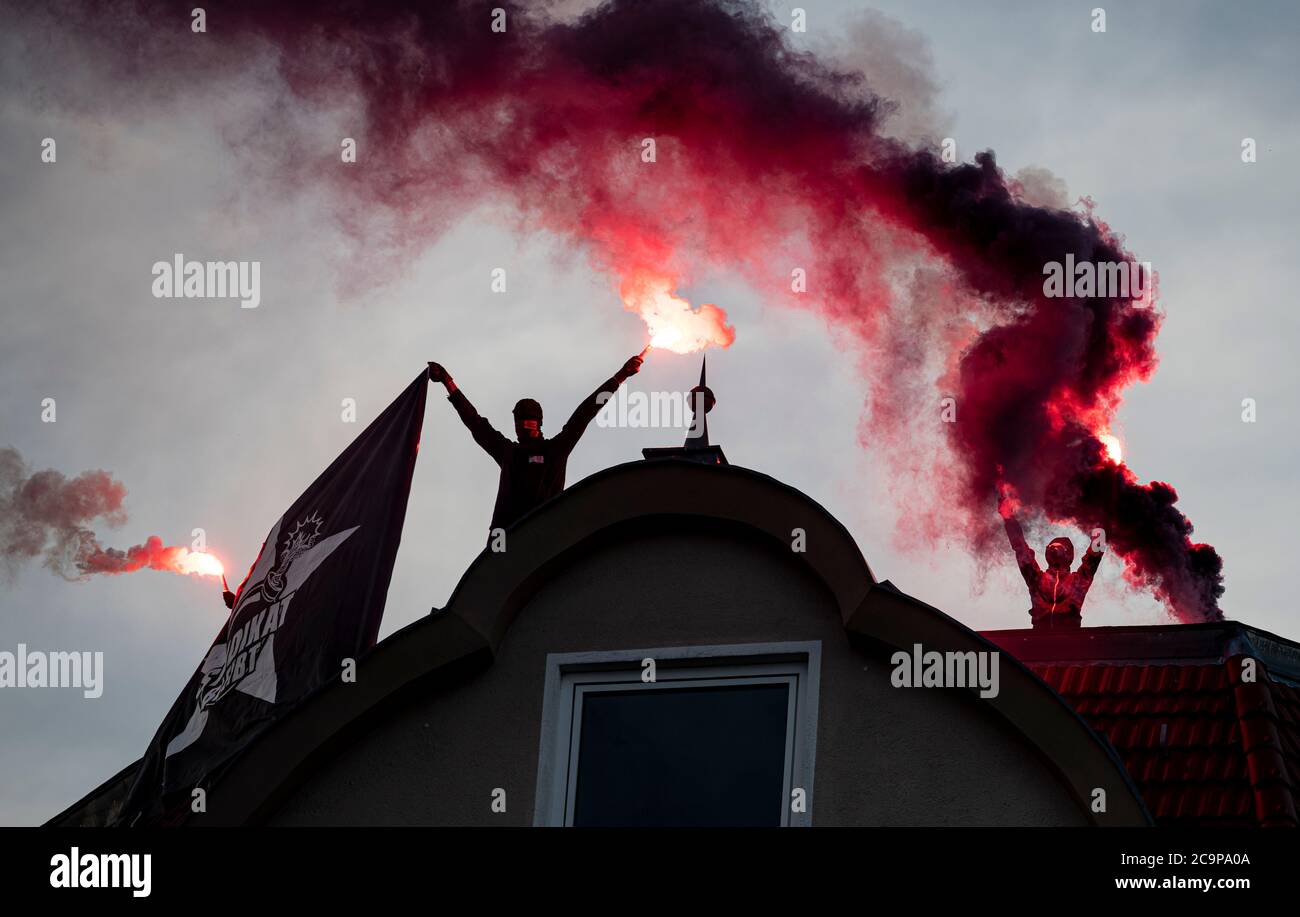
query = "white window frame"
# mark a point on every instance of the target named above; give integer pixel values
(570, 677)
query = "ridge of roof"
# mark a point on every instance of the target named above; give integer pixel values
(1207, 643)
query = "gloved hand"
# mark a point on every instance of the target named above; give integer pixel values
(631, 367)
(1007, 502)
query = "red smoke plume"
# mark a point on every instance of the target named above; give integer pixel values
(47, 515)
(765, 161)
(153, 555)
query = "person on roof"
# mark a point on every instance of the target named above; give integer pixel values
(532, 467)
(1056, 594)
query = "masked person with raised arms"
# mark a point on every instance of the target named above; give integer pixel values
(532, 466)
(1056, 594)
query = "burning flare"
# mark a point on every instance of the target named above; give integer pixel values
(674, 324)
(153, 555)
(198, 563)
(1114, 448)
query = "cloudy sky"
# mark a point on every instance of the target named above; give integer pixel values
(218, 417)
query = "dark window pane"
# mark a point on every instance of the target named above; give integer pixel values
(683, 756)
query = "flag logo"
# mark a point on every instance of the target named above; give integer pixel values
(246, 662)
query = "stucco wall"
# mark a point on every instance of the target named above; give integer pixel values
(884, 756)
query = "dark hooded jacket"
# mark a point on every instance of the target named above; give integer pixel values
(531, 471)
(1056, 594)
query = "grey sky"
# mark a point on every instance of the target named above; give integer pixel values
(219, 417)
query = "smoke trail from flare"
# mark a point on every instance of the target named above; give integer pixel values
(46, 515)
(766, 160)
(152, 555)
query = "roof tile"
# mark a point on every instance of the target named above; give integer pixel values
(1203, 747)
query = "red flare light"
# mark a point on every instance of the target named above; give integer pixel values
(198, 563)
(1114, 448)
(152, 555)
(674, 324)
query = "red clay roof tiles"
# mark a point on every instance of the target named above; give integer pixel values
(1203, 747)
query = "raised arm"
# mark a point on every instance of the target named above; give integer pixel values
(585, 412)
(487, 436)
(1025, 559)
(1024, 553)
(1091, 561)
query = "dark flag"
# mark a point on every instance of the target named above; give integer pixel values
(313, 598)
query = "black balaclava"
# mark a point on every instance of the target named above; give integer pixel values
(1059, 553)
(528, 419)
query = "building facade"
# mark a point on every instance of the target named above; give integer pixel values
(672, 642)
